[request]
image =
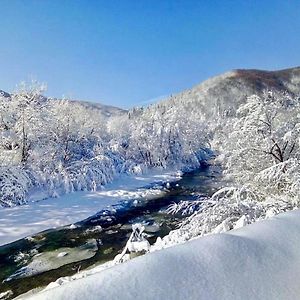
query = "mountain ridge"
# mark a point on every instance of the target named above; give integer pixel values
(235, 84)
(106, 110)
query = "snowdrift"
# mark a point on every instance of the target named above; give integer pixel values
(259, 261)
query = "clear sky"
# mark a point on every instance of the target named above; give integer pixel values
(126, 52)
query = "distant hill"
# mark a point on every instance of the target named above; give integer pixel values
(106, 110)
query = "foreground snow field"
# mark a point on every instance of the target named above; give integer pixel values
(21, 221)
(259, 261)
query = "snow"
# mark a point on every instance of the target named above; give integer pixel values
(22, 221)
(137, 241)
(259, 261)
(62, 254)
(6, 295)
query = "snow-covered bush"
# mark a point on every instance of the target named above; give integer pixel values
(229, 208)
(14, 185)
(185, 208)
(279, 180)
(88, 175)
(137, 243)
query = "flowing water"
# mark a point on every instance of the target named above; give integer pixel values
(34, 262)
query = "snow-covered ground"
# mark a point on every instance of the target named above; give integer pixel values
(22, 221)
(259, 261)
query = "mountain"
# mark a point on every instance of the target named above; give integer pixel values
(227, 91)
(106, 110)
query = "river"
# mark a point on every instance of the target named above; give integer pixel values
(35, 262)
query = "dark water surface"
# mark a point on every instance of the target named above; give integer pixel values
(100, 238)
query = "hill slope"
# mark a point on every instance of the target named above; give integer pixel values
(227, 91)
(106, 110)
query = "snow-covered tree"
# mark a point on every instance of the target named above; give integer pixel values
(28, 106)
(264, 133)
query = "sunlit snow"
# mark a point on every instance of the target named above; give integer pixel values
(21, 221)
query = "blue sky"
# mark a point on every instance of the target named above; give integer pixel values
(124, 53)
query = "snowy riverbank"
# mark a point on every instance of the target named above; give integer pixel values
(259, 261)
(22, 221)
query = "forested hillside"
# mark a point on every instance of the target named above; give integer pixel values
(49, 146)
